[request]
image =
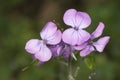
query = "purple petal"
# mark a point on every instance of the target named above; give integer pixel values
(49, 29)
(54, 50)
(101, 43)
(55, 38)
(76, 18)
(33, 46)
(68, 35)
(85, 20)
(44, 54)
(80, 47)
(59, 50)
(87, 50)
(83, 36)
(69, 17)
(98, 32)
(74, 37)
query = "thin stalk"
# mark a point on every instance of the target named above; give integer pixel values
(70, 76)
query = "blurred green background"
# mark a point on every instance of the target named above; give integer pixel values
(21, 20)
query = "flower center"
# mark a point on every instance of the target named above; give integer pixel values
(76, 28)
(90, 42)
(44, 41)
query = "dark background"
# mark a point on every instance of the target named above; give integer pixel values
(21, 20)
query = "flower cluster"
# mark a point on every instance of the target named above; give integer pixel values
(55, 43)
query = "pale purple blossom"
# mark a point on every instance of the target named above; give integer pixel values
(51, 36)
(78, 21)
(90, 46)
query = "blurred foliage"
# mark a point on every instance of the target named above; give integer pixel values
(90, 62)
(21, 20)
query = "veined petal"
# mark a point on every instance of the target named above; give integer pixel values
(76, 18)
(87, 50)
(33, 46)
(101, 43)
(69, 17)
(49, 29)
(98, 32)
(82, 20)
(83, 36)
(55, 38)
(75, 37)
(70, 36)
(44, 54)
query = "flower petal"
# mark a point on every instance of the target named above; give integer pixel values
(76, 18)
(101, 43)
(98, 32)
(69, 17)
(74, 37)
(82, 20)
(68, 36)
(44, 54)
(55, 38)
(83, 36)
(86, 51)
(33, 46)
(49, 29)
(54, 50)
(80, 47)
(59, 50)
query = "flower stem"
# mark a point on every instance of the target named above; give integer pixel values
(70, 77)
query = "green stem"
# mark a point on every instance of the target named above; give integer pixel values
(69, 66)
(70, 77)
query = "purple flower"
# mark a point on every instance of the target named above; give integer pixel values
(78, 21)
(90, 46)
(50, 35)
